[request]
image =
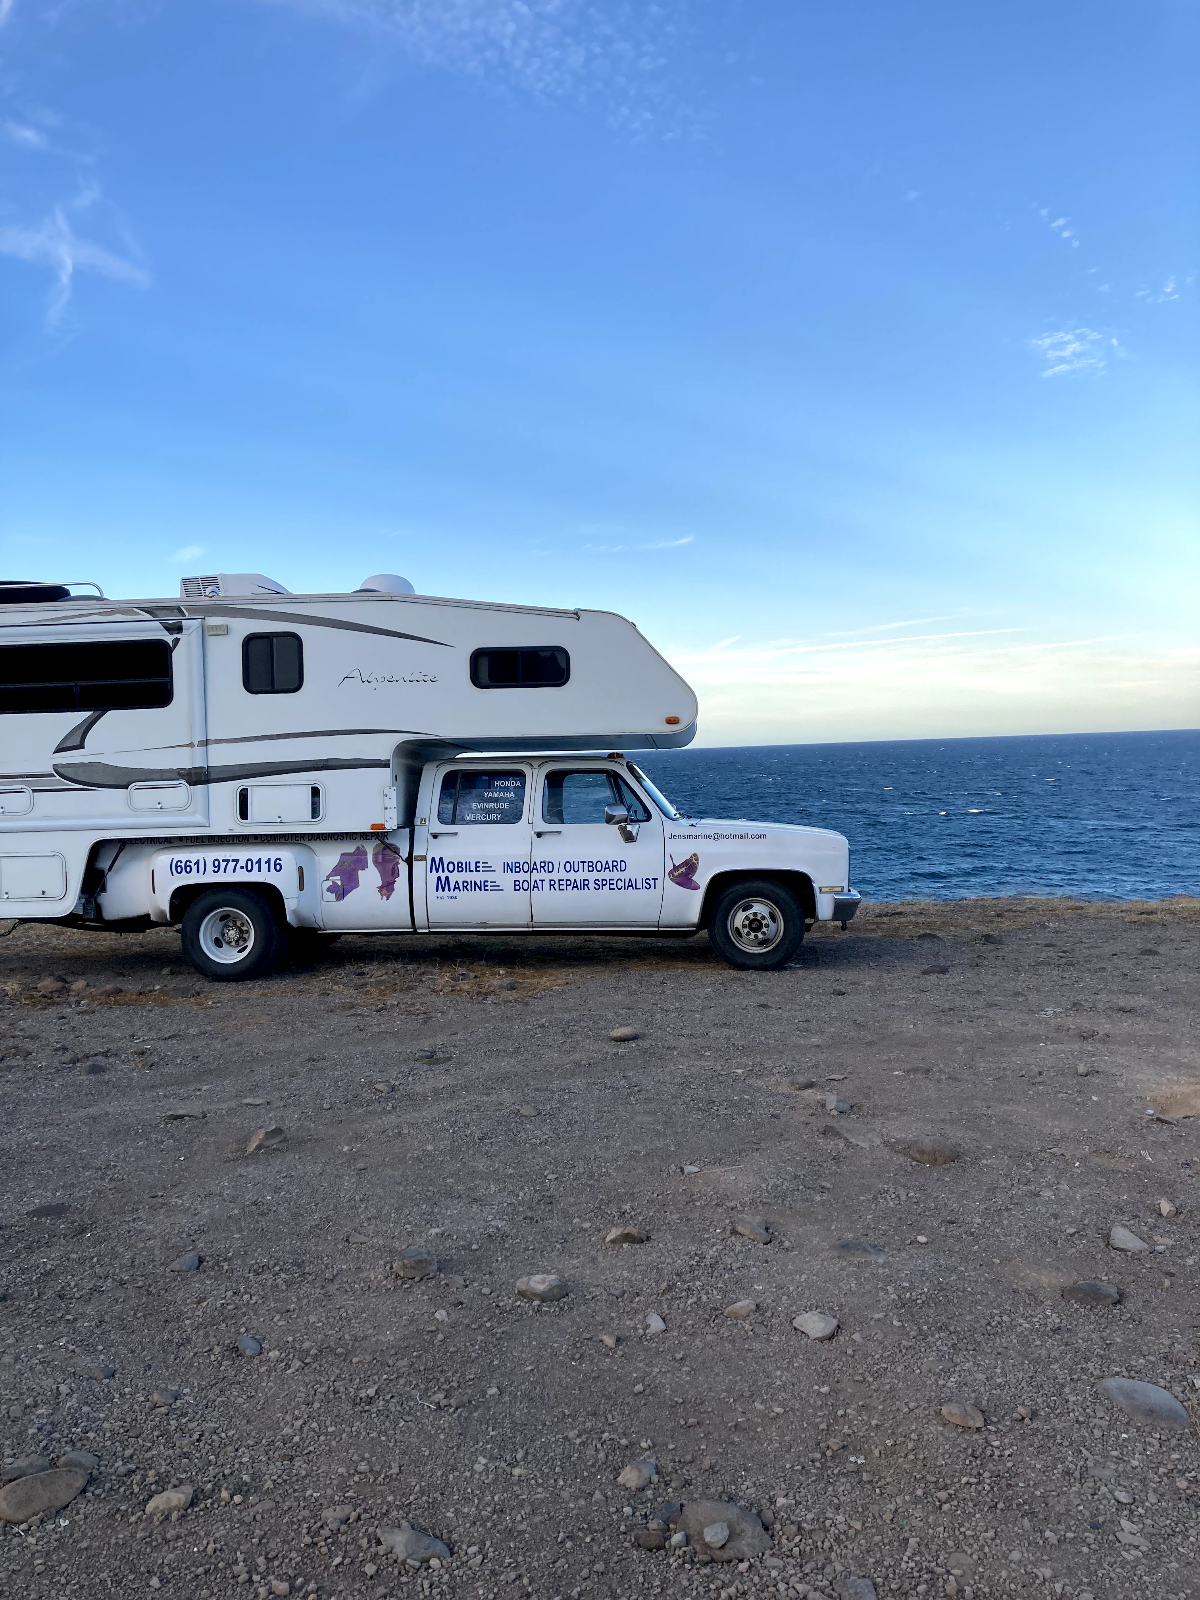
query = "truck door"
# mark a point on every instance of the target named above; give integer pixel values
(586, 871)
(476, 873)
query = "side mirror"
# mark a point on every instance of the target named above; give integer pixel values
(617, 816)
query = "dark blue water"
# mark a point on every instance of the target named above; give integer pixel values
(1097, 816)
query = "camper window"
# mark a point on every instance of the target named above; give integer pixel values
(540, 667)
(101, 675)
(272, 663)
(472, 797)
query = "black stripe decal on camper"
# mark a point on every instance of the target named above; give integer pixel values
(100, 775)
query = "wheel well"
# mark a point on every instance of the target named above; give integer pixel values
(799, 883)
(186, 893)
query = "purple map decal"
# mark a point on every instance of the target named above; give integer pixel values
(388, 863)
(342, 879)
(683, 873)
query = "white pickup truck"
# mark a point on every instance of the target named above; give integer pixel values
(260, 768)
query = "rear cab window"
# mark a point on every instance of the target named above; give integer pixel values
(469, 798)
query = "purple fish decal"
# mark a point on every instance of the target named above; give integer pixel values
(388, 863)
(342, 879)
(683, 873)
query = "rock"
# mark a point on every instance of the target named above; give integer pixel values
(24, 1467)
(526, 1111)
(279, 1586)
(248, 1345)
(835, 1104)
(638, 1473)
(93, 1067)
(741, 1309)
(678, 1539)
(928, 1150)
(858, 1247)
(623, 1035)
(96, 1369)
(410, 1544)
(650, 1539)
(170, 1500)
(756, 1229)
(49, 1213)
(415, 1261)
(626, 1235)
(184, 1114)
(800, 1084)
(78, 1461)
(39, 1493)
(990, 938)
(610, 1341)
(716, 1535)
(848, 1588)
(934, 972)
(265, 1139)
(1088, 1292)
(667, 1512)
(959, 1564)
(815, 1324)
(1166, 1209)
(862, 1137)
(1147, 1402)
(962, 1414)
(190, 1262)
(1120, 1238)
(543, 1287)
(655, 1324)
(744, 1533)
(165, 1397)
(51, 986)
(336, 1516)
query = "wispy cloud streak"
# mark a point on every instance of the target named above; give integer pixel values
(53, 243)
(1073, 350)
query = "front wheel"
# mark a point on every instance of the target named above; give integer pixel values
(757, 924)
(231, 934)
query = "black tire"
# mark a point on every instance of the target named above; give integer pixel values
(230, 935)
(756, 924)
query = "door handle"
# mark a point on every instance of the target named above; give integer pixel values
(540, 833)
(443, 833)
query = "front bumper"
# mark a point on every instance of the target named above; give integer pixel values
(844, 906)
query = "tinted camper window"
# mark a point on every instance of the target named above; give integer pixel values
(541, 667)
(104, 675)
(272, 663)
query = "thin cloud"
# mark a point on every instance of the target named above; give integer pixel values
(5, 11)
(613, 54)
(620, 549)
(53, 243)
(1073, 350)
(20, 133)
(189, 552)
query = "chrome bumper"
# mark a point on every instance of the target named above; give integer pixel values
(845, 905)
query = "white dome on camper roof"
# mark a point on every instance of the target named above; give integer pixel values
(385, 583)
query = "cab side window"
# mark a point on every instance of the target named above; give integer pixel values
(474, 797)
(580, 797)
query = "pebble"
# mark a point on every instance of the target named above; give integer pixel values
(248, 1345)
(638, 1474)
(716, 1535)
(410, 1544)
(279, 1586)
(962, 1414)
(39, 1493)
(1090, 1292)
(24, 1467)
(265, 1139)
(815, 1324)
(857, 1247)
(51, 986)
(835, 1104)
(742, 1309)
(655, 1324)
(679, 1539)
(93, 1066)
(1147, 1402)
(626, 1235)
(1123, 1497)
(415, 1261)
(336, 1516)
(800, 1084)
(757, 1229)
(959, 1564)
(1081, 1070)
(928, 1150)
(610, 1341)
(78, 1461)
(543, 1287)
(650, 1539)
(165, 1397)
(526, 1111)
(848, 1588)
(744, 1533)
(623, 1035)
(1166, 1209)
(863, 1138)
(48, 1213)
(1121, 1239)
(189, 1262)
(170, 1500)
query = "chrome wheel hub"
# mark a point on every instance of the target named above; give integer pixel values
(227, 936)
(755, 926)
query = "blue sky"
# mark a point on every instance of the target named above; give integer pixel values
(850, 350)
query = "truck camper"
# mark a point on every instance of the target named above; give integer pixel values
(264, 769)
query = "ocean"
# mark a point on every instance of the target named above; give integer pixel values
(1097, 816)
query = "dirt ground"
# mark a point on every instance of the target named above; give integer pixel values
(465, 1095)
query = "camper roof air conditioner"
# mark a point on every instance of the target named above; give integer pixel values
(223, 585)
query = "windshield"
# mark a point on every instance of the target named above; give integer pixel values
(660, 800)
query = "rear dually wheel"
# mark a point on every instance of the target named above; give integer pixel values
(230, 935)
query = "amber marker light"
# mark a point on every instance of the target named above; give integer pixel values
(671, 722)
(379, 827)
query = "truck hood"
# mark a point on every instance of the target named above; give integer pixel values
(759, 829)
